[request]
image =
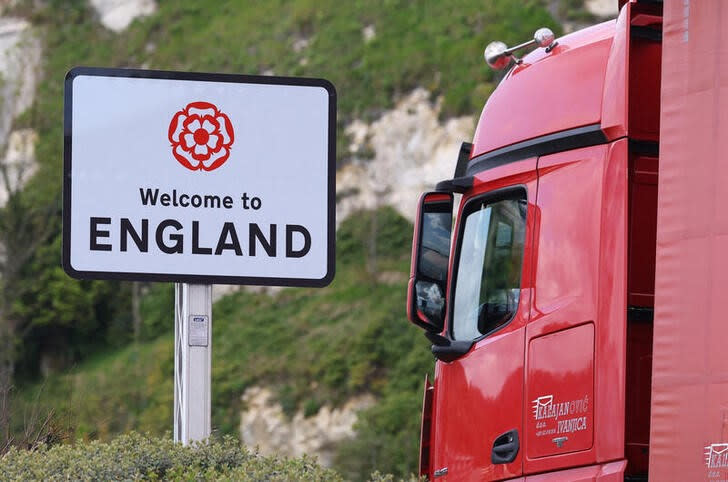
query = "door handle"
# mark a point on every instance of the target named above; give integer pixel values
(505, 448)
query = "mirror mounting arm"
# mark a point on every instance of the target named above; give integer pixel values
(458, 184)
(452, 352)
(436, 339)
(448, 350)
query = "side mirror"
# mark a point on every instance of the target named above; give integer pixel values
(430, 261)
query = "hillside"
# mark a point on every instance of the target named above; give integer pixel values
(313, 347)
(95, 359)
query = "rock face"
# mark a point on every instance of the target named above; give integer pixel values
(116, 15)
(20, 53)
(409, 151)
(263, 424)
(19, 69)
(19, 161)
(220, 291)
(602, 8)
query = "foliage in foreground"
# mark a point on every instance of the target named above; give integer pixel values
(134, 457)
(312, 347)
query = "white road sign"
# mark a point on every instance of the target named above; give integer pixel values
(201, 178)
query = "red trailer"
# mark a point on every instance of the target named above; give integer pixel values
(575, 312)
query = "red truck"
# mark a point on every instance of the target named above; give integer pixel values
(575, 304)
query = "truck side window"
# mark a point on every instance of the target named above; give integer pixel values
(487, 288)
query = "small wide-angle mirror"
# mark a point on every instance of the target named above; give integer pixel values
(430, 261)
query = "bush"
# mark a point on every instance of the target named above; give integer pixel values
(388, 433)
(156, 308)
(387, 230)
(136, 457)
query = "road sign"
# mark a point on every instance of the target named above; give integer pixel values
(199, 178)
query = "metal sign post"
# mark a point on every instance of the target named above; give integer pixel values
(192, 361)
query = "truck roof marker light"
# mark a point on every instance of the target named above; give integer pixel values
(498, 56)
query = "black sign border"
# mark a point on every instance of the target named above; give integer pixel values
(209, 77)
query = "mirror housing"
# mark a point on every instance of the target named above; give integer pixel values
(427, 287)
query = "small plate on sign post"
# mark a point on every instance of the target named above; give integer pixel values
(199, 330)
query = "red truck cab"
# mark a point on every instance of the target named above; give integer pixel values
(539, 298)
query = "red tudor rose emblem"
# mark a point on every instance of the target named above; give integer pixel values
(201, 136)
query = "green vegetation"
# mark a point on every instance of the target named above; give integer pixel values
(140, 457)
(313, 346)
(433, 44)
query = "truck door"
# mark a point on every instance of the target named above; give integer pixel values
(479, 396)
(575, 340)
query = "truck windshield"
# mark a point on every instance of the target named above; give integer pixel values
(487, 288)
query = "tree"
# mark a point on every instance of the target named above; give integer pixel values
(21, 232)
